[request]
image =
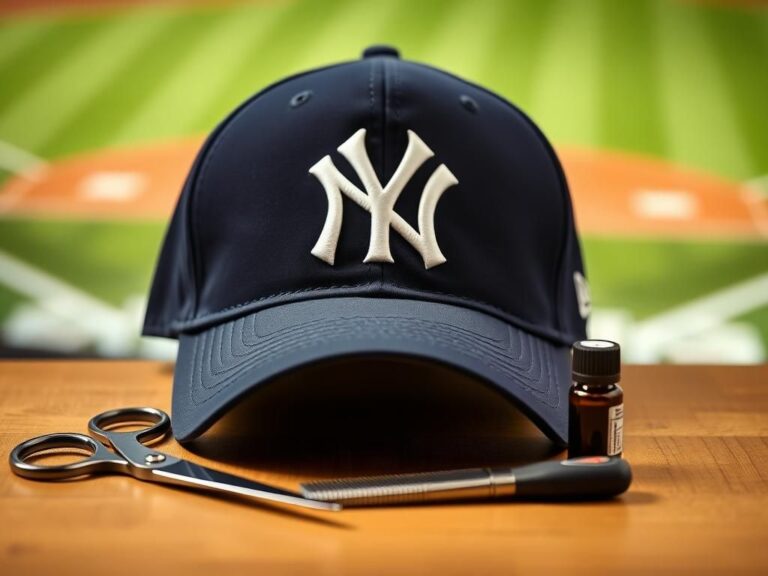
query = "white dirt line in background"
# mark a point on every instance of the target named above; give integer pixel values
(20, 162)
(28, 167)
(58, 297)
(704, 313)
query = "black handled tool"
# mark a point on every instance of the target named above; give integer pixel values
(580, 478)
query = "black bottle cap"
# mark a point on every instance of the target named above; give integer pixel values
(596, 362)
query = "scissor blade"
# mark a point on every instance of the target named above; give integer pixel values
(185, 473)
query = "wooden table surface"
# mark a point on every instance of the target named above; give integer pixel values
(696, 438)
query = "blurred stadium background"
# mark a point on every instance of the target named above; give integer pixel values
(659, 109)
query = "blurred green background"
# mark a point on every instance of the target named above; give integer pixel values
(683, 83)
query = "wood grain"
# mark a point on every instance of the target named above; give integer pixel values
(696, 437)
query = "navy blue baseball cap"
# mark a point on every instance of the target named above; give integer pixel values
(374, 207)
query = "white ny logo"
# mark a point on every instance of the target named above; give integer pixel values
(380, 202)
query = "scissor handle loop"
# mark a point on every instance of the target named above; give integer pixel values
(159, 423)
(98, 458)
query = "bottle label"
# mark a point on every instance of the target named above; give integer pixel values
(615, 430)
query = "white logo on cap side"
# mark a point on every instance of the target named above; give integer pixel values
(379, 201)
(582, 294)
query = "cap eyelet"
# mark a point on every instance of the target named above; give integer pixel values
(301, 98)
(468, 103)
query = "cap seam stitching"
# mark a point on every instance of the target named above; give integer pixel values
(537, 395)
(346, 286)
(491, 352)
(372, 102)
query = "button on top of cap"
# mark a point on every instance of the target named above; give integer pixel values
(381, 50)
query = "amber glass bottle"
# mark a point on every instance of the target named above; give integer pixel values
(596, 401)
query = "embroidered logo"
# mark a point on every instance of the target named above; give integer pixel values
(582, 294)
(379, 201)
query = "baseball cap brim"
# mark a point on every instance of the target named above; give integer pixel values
(219, 365)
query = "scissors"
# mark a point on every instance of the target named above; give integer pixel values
(132, 457)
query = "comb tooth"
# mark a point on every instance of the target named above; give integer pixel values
(401, 488)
